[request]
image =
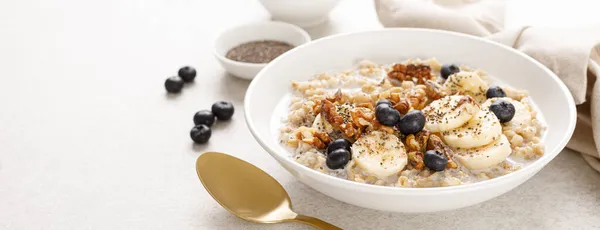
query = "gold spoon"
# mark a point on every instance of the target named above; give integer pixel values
(248, 192)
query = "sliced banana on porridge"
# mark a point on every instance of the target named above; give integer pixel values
(485, 156)
(481, 130)
(466, 83)
(523, 115)
(322, 125)
(449, 112)
(379, 154)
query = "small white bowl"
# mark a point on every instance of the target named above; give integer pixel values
(262, 108)
(278, 31)
(304, 13)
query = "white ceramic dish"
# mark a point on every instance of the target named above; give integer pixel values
(304, 13)
(279, 31)
(386, 46)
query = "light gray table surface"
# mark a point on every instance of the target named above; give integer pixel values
(90, 140)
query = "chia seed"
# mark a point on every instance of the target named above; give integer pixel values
(258, 51)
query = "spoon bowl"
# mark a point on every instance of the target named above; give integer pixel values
(248, 192)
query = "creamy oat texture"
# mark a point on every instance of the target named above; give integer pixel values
(341, 105)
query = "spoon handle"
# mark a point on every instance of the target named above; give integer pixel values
(317, 223)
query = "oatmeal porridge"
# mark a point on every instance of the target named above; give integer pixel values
(416, 123)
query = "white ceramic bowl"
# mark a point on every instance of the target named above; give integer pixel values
(272, 30)
(304, 13)
(386, 46)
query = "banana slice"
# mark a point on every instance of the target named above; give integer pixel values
(322, 125)
(485, 156)
(481, 130)
(523, 115)
(379, 154)
(449, 112)
(467, 83)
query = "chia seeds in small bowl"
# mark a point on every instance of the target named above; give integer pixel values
(244, 50)
(258, 51)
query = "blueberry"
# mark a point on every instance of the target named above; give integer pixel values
(504, 110)
(412, 123)
(200, 134)
(387, 115)
(174, 84)
(223, 110)
(384, 101)
(204, 117)
(495, 91)
(448, 70)
(435, 160)
(338, 159)
(187, 73)
(338, 144)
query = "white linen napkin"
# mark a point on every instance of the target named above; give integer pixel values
(572, 54)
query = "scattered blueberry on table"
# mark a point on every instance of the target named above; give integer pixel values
(412, 123)
(174, 84)
(448, 70)
(435, 160)
(338, 158)
(495, 91)
(338, 144)
(184, 75)
(387, 115)
(504, 110)
(223, 110)
(200, 134)
(187, 73)
(204, 117)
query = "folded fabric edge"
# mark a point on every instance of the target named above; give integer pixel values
(593, 162)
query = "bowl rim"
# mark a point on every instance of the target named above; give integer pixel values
(300, 32)
(537, 165)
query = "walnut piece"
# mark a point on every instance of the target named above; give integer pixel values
(337, 97)
(434, 90)
(416, 160)
(418, 142)
(330, 113)
(366, 105)
(416, 145)
(383, 128)
(417, 97)
(403, 106)
(411, 72)
(399, 103)
(321, 139)
(361, 119)
(436, 143)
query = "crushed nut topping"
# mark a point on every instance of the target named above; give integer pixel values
(331, 113)
(419, 74)
(351, 120)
